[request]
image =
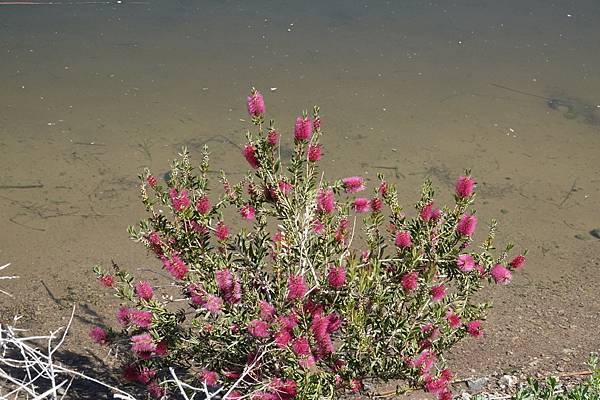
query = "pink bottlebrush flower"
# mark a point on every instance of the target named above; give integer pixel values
(426, 212)
(161, 349)
(123, 316)
(467, 224)
(284, 389)
(106, 280)
(184, 200)
(425, 360)
(480, 269)
(438, 292)
(318, 226)
(334, 322)
(151, 179)
(410, 281)
(313, 308)
(429, 212)
(337, 365)
(446, 375)
(356, 385)
(143, 290)
(179, 200)
(325, 201)
(146, 375)
(142, 319)
(99, 335)
(278, 237)
(249, 153)
(475, 329)
(143, 345)
(465, 262)
(233, 395)
(302, 128)
(267, 311)
(500, 274)
(445, 395)
(247, 212)
(258, 328)
(403, 239)
(196, 293)
(364, 256)
(155, 391)
(353, 184)
(464, 186)
(336, 277)
(209, 377)
(154, 239)
(383, 188)
(296, 287)
(436, 386)
(289, 321)
(517, 262)
(270, 194)
(284, 187)
(306, 361)
(361, 205)
(222, 231)
(236, 294)
(255, 103)
(283, 337)
(203, 205)
(342, 230)
(199, 228)
(453, 319)
(376, 204)
(317, 123)
(319, 328)
(130, 373)
(213, 304)
(300, 346)
(314, 152)
(177, 267)
(273, 138)
(229, 286)
(430, 331)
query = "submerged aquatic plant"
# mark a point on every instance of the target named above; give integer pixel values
(298, 303)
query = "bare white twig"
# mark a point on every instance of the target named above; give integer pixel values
(6, 277)
(27, 369)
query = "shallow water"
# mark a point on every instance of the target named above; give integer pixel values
(92, 94)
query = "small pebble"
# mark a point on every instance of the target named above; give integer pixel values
(595, 233)
(507, 381)
(477, 383)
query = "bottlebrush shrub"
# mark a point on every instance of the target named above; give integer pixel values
(297, 293)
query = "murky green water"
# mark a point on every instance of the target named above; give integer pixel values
(91, 94)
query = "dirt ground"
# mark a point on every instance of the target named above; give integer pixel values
(91, 96)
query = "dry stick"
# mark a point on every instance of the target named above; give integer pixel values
(12, 219)
(7, 277)
(519, 91)
(42, 365)
(34, 186)
(568, 194)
